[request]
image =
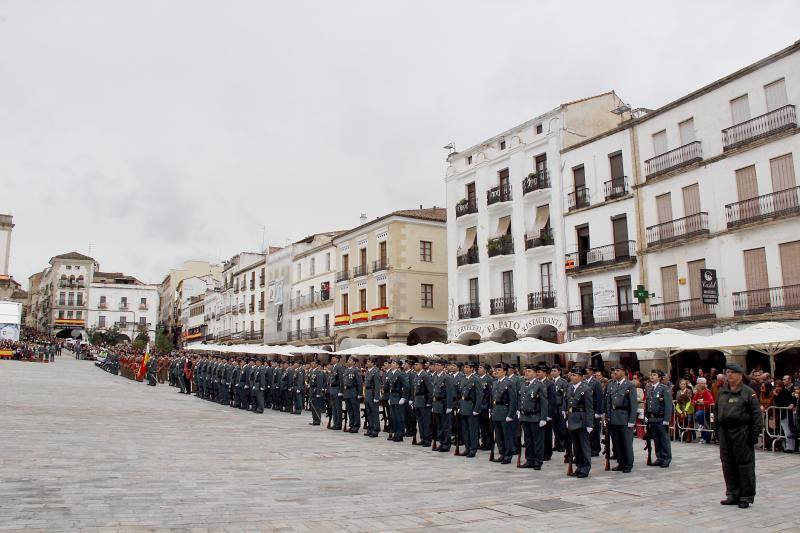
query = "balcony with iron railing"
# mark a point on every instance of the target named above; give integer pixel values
(681, 311)
(261, 306)
(545, 238)
(342, 275)
(380, 264)
(616, 188)
(470, 257)
(470, 310)
(536, 181)
(770, 300)
(604, 317)
(251, 308)
(466, 207)
(578, 199)
(779, 204)
(505, 304)
(674, 159)
(261, 281)
(234, 310)
(541, 300)
(781, 119)
(679, 229)
(611, 255)
(503, 245)
(123, 306)
(252, 284)
(241, 307)
(501, 193)
(360, 270)
(254, 335)
(102, 305)
(143, 307)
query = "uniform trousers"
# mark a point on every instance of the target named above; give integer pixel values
(503, 435)
(534, 443)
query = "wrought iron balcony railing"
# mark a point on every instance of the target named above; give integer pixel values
(681, 310)
(466, 207)
(678, 229)
(674, 159)
(578, 198)
(470, 310)
(501, 193)
(603, 317)
(776, 121)
(469, 257)
(545, 238)
(771, 300)
(505, 304)
(777, 204)
(611, 254)
(541, 300)
(616, 188)
(500, 246)
(536, 181)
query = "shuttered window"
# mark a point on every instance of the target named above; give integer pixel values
(775, 93)
(756, 278)
(747, 190)
(691, 200)
(782, 170)
(694, 268)
(740, 109)
(664, 207)
(660, 142)
(686, 129)
(669, 283)
(790, 262)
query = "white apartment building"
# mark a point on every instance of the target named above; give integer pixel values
(312, 292)
(279, 283)
(193, 318)
(505, 230)
(712, 184)
(242, 312)
(170, 307)
(124, 302)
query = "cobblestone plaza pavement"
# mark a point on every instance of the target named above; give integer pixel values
(84, 450)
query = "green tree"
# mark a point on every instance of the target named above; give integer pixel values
(163, 342)
(141, 339)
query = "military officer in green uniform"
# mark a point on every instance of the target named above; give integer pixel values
(621, 409)
(657, 413)
(504, 407)
(578, 412)
(738, 423)
(444, 398)
(422, 396)
(469, 405)
(372, 398)
(533, 410)
(351, 392)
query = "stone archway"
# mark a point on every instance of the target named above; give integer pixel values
(470, 338)
(544, 332)
(425, 335)
(504, 335)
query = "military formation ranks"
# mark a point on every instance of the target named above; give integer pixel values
(440, 405)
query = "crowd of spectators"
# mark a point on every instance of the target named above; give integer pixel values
(32, 346)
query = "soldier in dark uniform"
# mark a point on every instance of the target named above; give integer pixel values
(422, 396)
(469, 404)
(372, 399)
(738, 424)
(269, 371)
(554, 429)
(277, 376)
(443, 404)
(504, 407)
(533, 410)
(597, 401)
(299, 386)
(351, 392)
(285, 386)
(410, 415)
(579, 413)
(621, 409)
(486, 380)
(657, 413)
(152, 368)
(316, 388)
(335, 384)
(397, 382)
(236, 385)
(259, 386)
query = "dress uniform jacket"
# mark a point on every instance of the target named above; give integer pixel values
(579, 410)
(739, 423)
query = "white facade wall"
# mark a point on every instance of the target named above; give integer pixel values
(6, 226)
(723, 250)
(599, 215)
(311, 270)
(134, 313)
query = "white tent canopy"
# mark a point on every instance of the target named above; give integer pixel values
(770, 338)
(666, 340)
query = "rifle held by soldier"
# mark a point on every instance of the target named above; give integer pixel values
(607, 445)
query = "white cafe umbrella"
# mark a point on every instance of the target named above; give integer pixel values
(584, 345)
(364, 349)
(671, 341)
(770, 338)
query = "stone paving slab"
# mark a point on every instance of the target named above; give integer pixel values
(83, 450)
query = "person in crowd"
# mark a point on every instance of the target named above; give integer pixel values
(685, 410)
(703, 401)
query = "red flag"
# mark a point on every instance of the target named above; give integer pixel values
(143, 367)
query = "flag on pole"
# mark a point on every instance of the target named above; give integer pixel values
(143, 367)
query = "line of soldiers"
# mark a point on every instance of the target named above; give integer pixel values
(444, 404)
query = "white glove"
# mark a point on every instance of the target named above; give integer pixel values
(402, 401)
(665, 422)
(517, 414)
(597, 416)
(448, 411)
(549, 419)
(630, 425)
(589, 430)
(411, 404)
(340, 394)
(509, 419)
(376, 401)
(474, 413)
(542, 423)
(645, 421)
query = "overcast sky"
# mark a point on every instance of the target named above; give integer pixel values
(159, 131)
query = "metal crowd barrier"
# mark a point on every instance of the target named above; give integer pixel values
(777, 426)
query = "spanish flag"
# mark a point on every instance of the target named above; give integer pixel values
(143, 367)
